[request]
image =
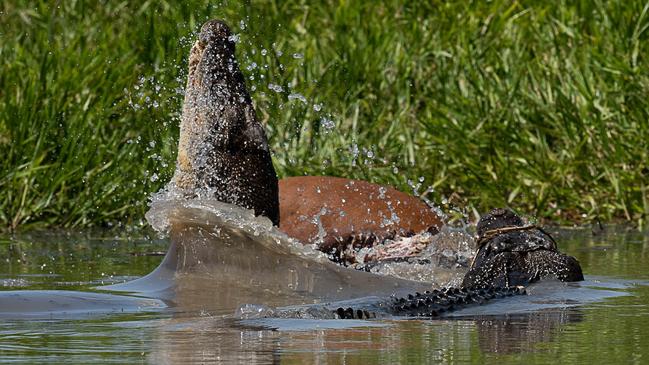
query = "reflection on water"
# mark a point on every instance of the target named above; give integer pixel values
(611, 331)
(522, 333)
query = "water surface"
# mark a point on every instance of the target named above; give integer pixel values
(612, 330)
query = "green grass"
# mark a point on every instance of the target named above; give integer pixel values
(543, 108)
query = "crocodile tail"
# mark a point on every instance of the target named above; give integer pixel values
(434, 303)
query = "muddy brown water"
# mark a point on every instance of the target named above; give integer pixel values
(608, 330)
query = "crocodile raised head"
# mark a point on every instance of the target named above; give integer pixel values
(223, 152)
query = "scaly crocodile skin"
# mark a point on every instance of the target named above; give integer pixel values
(432, 303)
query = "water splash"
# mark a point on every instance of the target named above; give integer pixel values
(441, 259)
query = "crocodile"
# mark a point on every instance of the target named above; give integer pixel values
(223, 155)
(223, 151)
(511, 255)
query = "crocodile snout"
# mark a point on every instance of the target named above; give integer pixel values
(214, 31)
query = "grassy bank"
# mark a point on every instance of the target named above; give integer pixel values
(544, 108)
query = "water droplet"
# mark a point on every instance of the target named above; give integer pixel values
(275, 88)
(354, 151)
(297, 96)
(327, 124)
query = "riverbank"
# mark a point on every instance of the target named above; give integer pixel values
(542, 108)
